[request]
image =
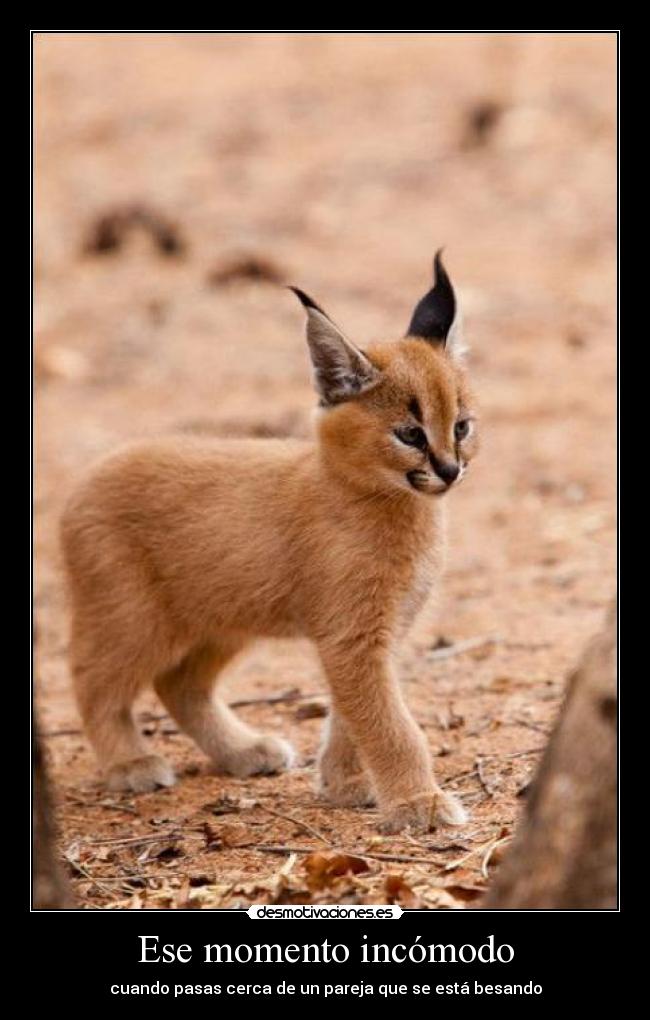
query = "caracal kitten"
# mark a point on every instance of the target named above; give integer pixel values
(181, 551)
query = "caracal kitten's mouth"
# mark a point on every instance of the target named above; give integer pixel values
(423, 482)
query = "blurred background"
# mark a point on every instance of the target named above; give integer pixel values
(182, 179)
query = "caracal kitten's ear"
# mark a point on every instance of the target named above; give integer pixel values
(437, 316)
(341, 370)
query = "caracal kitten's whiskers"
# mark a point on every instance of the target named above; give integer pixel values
(181, 551)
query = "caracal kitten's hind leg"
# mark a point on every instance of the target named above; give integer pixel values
(105, 695)
(188, 692)
(343, 779)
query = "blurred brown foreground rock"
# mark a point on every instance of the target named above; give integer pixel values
(564, 855)
(50, 889)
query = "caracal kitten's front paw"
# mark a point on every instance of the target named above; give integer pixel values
(140, 775)
(265, 755)
(346, 789)
(424, 812)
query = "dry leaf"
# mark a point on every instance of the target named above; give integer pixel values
(443, 900)
(466, 893)
(213, 840)
(398, 891)
(323, 867)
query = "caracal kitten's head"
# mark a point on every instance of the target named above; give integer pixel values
(398, 414)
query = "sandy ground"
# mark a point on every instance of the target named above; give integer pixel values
(338, 163)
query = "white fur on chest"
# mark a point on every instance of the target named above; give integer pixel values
(426, 572)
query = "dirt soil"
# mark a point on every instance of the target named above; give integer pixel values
(182, 179)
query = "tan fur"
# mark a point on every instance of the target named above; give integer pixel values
(181, 551)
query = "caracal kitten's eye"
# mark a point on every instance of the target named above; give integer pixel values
(462, 428)
(412, 435)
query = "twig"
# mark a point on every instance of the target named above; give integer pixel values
(528, 724)
(135, 840)
(297, 821)
(483, 780)
(459, 775)
(497, 754)
(442, 847)
(275, 699)
(481, 728)
(461, 646)
(105, 804)
(127, 879)
(86, 874)
(490, 850)
(529, 645)
(466, 857)
(515, 754)
(293, 694)
(281, 849)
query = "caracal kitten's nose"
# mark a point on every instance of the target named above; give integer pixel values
(448, 471)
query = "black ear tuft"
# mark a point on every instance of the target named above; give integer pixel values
(305, 299)
(434, 315)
